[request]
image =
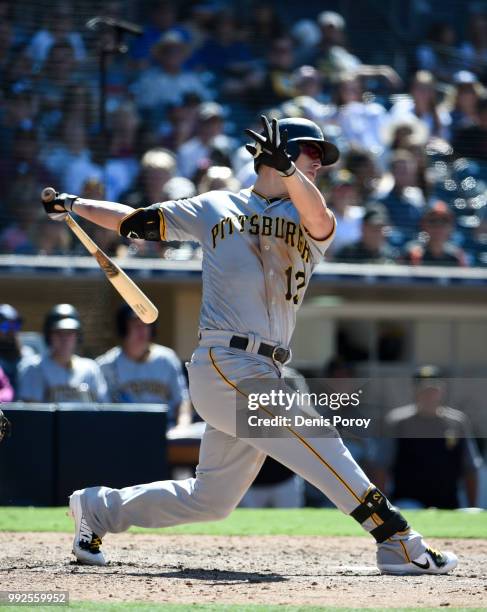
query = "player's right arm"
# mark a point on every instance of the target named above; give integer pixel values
(106, 214)
(172, 220)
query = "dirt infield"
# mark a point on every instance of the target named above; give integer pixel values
(265, 570)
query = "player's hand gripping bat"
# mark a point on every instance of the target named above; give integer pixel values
(134, 297)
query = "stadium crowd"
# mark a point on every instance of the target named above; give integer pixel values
(409, 188)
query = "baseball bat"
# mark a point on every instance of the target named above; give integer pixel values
(135, 298)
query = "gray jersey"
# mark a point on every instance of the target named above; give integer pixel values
(258, 259)
(43, 380)
(157, 379)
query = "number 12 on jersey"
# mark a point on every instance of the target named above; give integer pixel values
(300, 279)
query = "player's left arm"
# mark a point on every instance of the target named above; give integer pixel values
(311, 205)
(270, 148)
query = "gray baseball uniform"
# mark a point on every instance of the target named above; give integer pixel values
(157, 379)
(43, 380)
(257, 262)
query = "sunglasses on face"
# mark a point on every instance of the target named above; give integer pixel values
(10, 326)
(311, 150)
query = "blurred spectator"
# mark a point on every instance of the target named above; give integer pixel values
(361, 122)
(180, 122)
(140, 371)
(343, 200)
(471, 141)
(429, 449)
(122, 166)
(59, 72)
(333, 58)
(58, 29)
(6, 389)
(433, 247)
(423, 103)
(79, 104)
(264, 24)
(167, 81)
(21, 215)
(372, 246)
(464, 100)
(272, 84)
(307, 81)
(405, 201)
(404, 132)
(473, 52)
(118, 70)
(224, 53)
(61, 375)
(18, 113)
(243, 165)
(71, 150)
(178, 188)
(6, 46)
(12, 351)
(209, 142)
(218, 178)
(162, 18)
(198, 21)
(51, 238)
(156, 168)
(307, 36)
(438, 53)
(18, 73)
(363, 167)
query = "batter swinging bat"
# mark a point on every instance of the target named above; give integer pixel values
(135, 298)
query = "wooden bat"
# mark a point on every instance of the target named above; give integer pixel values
(135, 298)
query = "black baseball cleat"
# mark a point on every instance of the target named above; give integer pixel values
(86, 544)
(430, 562)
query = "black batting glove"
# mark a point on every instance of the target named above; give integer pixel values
(58, 208)
(270, 148)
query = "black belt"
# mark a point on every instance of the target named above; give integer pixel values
(277, 353)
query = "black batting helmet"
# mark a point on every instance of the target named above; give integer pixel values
(61, 316)
(303, 130)
(124, 315)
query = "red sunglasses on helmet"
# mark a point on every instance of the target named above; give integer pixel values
(311, 150)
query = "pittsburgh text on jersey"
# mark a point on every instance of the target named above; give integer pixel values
(279, 227)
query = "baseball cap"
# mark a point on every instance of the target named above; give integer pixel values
(428, 376)
(376, 214)
(210, 110)
(330, 18)
(464, 77)
(170, 38)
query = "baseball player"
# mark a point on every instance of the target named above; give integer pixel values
(141, 371)
(260, 247)
(60, 375)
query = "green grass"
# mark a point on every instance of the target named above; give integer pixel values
(147, 607)
(299, 522)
